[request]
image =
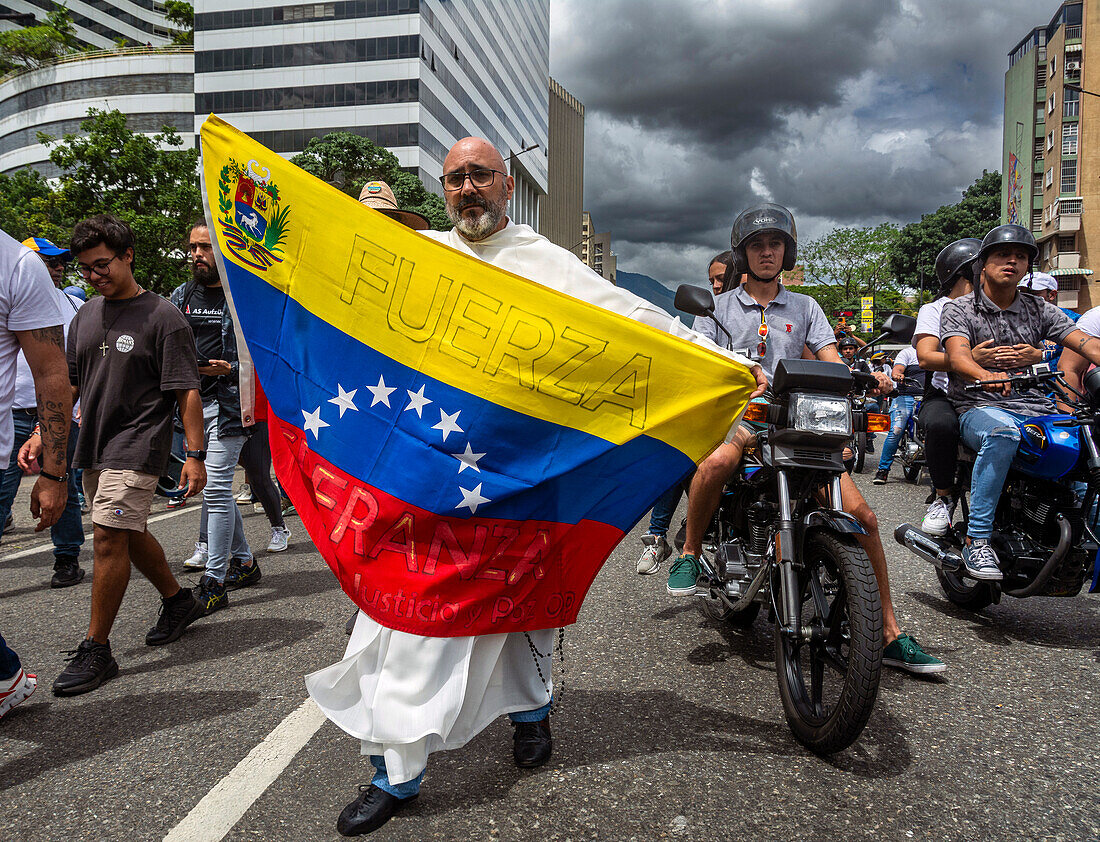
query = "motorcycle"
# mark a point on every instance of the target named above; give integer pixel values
(1045, 525)
(781, 538)
(911, 446)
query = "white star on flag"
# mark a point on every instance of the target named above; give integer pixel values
(471, 499)
(417, 401)
(313, 421)
(381, 392)
(468, 459)
(447, 424)
(344, 400)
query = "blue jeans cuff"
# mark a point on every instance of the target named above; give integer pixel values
(536, 715)
(403, 790)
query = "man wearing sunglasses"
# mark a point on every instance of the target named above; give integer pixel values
(131, 360)
(774, 323)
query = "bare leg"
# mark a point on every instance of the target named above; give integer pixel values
(706, 488)
(855, 505)
(110, 577)
(148, 557)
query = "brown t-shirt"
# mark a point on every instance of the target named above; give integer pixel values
(128, 358)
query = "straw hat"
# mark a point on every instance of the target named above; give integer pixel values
(378, 195)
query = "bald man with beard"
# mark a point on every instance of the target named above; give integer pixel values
(403, 695)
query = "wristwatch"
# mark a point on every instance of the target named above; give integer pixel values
(195, 454)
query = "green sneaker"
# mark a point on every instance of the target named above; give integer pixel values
(905, 654)
(682, 575)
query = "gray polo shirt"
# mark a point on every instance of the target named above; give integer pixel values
(1028, 319)
(794, 320)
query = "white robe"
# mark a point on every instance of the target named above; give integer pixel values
(403, 695)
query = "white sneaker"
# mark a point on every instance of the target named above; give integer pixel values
(18, 688)
(280, 535)
(198, 558)
(656, 550)
(937, 520)
(244, 495)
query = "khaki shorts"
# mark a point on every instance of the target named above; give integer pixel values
(120, 499)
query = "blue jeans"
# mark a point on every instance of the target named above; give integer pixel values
(226, 529)
(68, 533)
(9, 661)
(994, 434)
(661, 517)
(410, 788)
(900, 410)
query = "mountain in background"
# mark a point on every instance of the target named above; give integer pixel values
(652, 291)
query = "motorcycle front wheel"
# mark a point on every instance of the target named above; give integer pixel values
(829, 682)
(860, 450)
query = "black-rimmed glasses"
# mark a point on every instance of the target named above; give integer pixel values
(101, 268)
(452, 181)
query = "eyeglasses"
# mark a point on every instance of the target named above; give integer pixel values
(100, 268)
(452, 181)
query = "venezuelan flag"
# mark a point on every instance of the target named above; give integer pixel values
(464, 446)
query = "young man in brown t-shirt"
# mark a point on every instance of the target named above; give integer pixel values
(131, 360)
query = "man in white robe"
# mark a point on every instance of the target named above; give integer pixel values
(403, 695)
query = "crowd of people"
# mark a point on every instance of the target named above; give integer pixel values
(104, 386)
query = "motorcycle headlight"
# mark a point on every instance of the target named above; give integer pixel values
(820, 414)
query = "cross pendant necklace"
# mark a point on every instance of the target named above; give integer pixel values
(103, 348)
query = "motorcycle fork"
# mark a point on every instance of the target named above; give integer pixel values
(785, 557)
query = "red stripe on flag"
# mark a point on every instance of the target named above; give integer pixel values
(429, 574)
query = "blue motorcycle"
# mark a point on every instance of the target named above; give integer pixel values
(911, 446)
(1045, 527)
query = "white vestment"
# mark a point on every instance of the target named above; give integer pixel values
(403, 695)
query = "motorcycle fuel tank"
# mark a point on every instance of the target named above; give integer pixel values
(1046, 450)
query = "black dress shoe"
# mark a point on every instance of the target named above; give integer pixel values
(66, 572)
(531, 743)
(372, 809)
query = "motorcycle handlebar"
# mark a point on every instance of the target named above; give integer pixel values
(1028, 381)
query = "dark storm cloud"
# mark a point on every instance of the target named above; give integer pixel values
(849, 112)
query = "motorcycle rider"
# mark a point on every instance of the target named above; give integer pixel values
(989, 420)
(905, 368)
(777, 324)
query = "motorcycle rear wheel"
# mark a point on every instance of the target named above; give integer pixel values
(839, 597)
(966, 593)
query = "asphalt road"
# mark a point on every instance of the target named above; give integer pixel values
(669, 726)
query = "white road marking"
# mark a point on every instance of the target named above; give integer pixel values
(48, 545)
(221, 808)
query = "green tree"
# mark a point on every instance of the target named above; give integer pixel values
(148, 181)
(181, 14)
(348, 161)
(918, 243)
(853, 258)
(28, 207)
(32, 46)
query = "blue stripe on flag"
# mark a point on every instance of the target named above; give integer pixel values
(532, 469)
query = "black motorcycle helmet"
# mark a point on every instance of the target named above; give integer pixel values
(955, 260)
(847, 342)
(766, 217)
(1009, 235)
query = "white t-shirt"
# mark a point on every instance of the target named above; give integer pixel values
(906, 357)
(25, 396)
(27, 302)
(1090, 322)
(928, 322)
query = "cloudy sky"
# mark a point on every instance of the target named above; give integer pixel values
(850, 112)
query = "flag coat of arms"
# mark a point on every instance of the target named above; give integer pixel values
(464, 446)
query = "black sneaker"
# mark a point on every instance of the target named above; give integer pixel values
(372, 809)
(211, 595)
(176, 614)
(239, 576)
(90, 664)
(531, 743)
(66, 572)
(881, 477)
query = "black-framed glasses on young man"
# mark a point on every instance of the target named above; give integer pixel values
(479, 178)
(101, 268)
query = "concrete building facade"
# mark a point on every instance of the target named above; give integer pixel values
(154, 88)
(560, 214)
(102, 23)
(596, 250)
(1050, 181)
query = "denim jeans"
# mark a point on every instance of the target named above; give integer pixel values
(661, 517)
(9, 661)
(225, 527)
(68, 533)
(994, 434)
(900, 410)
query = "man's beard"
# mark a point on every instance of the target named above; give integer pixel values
(205, 275)
(480, 227)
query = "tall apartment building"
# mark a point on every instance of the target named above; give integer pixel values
(596, 250)
(560, 213)
(102, 23)
(412, 75)
(1051, 183)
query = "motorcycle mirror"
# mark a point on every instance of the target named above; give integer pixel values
(1091, 382)
(900, 327)
(694, 300)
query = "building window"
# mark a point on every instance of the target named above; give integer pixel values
(1070, 104)
(1069, 139)
(1053, 65)
(1050, 140)
(1041, 75)
(1070, 207)
(1039, 115)
(1051, 102)
(1067, 243)
(1037, 183)
(1068, 183)
(1037, 220)
(1038, 149)
(1049, 180)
